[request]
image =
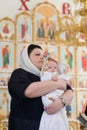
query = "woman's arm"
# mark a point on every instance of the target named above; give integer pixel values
(57, 103)
(37, 89)
(40, 88)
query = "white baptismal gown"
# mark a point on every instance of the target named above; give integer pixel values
(56, 121)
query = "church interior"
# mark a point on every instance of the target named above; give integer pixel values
(61, 30)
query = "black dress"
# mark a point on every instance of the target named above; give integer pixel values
(25, 113)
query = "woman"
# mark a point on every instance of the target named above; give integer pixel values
(26, 90)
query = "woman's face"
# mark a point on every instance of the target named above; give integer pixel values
(37, 57)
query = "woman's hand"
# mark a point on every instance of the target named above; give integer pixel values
(54, 107)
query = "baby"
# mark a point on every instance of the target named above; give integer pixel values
(52, 70)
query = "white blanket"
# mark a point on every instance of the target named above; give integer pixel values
(56, 121)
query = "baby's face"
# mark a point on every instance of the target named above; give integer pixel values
(52, 66)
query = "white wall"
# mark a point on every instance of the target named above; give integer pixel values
(10, 8)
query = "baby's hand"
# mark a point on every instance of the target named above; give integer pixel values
(55, 77)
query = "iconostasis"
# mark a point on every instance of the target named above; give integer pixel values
(57, 36)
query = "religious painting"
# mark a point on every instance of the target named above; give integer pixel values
(67, 57)
(82, 59)
(6, 57)
(19, 49)
(80, 36)
(67, 34)
(4, 78)
(84, 26)
(7, 30)
(71, 109)
(51, 51)
(24, 28)
(46, 22)
(82, 82)
(4, 103)
(82, 101)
